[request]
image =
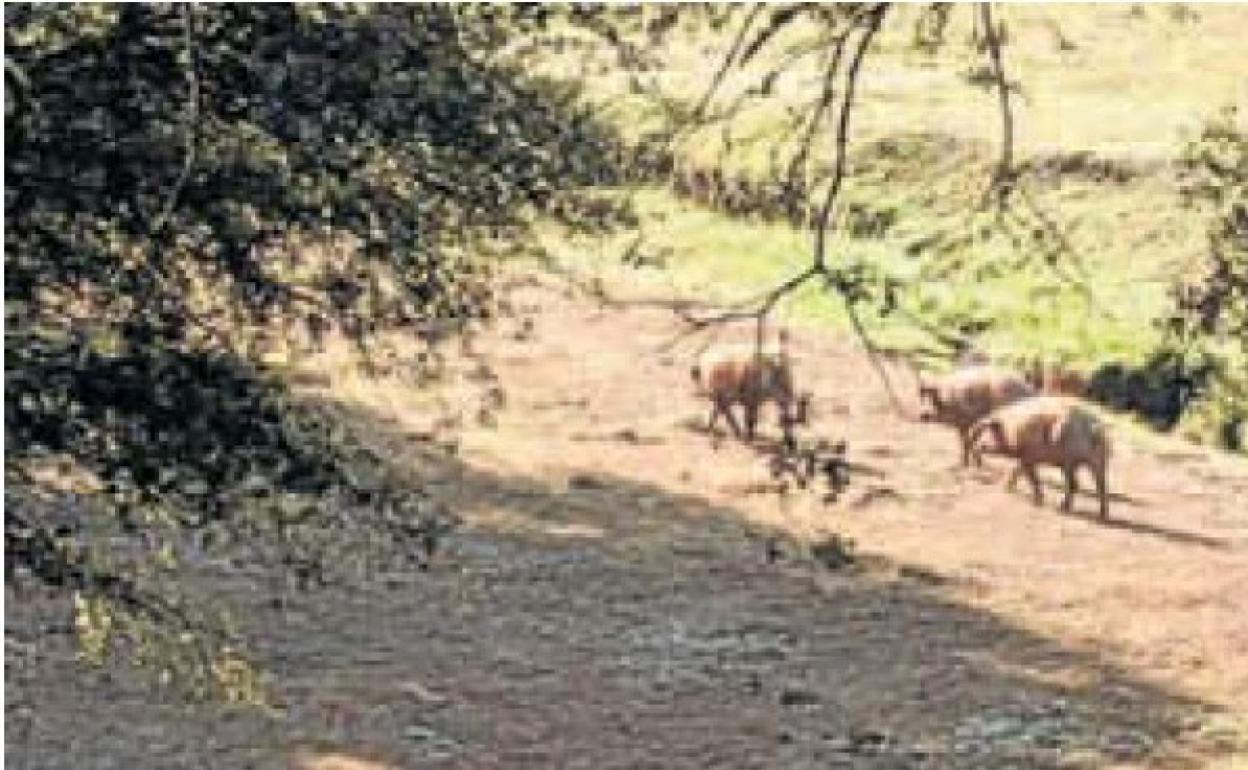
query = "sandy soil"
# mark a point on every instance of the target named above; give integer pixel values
(623, 595)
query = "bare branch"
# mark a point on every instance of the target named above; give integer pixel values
(729, 59)
(753, 308)
(780, 18)
(835, 45)
(759, 308)
(762, 88)
(874, 19)
(1061, 246)
(873, 354)
(802, 155)
(1004, 178)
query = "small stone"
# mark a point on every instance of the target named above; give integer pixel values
(419, 733)
(796, 697)
(421, 693)
(584, 481)
(922, 750)
(868, 740)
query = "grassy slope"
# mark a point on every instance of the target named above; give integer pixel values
(1135, 84)
(712, 256)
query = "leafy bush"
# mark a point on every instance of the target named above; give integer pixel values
(1211, 320)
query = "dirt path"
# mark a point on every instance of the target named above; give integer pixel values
(610, 601)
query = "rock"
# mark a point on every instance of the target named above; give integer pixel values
(754, 685)
(421, 693)
(796, 697)
(585, 481)
(868, 740)
(924, 750)
(834, 553)
(419, 733)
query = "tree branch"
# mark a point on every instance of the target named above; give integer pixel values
(727, 63)
(873, 353)
(802, 155)
(874, 19)
(1004, 178)
(759, 308)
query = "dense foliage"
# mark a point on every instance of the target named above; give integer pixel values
(189, 188)
(1212, 315)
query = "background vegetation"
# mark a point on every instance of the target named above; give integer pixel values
(1116, 112)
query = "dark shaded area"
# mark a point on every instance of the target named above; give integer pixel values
(1139, 527)
(1159, 390)
(1165, 533)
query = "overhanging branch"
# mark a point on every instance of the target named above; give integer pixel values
(729, 59)
(874, 19)
(1005, 176)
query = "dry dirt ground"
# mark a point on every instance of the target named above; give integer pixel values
(620, 595)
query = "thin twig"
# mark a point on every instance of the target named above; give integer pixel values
(875, 18)
(828, 92)
(752, 308)
(873, 354)
(726, 64)
(1062, 246)
(1003, 180)
(801, 157)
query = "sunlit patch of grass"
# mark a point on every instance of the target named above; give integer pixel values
(1033, 310)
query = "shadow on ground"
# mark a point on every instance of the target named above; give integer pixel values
(608, 623)
(1119, 520)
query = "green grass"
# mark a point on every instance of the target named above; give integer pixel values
(705, 255)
